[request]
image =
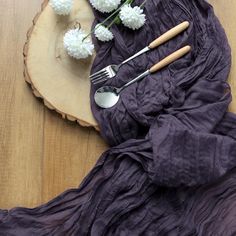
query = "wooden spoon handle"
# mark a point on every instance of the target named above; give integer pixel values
(171, 58)
(169, 34)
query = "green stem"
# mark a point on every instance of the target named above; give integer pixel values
(143, 3)
(113, 21)
(117, 17)
(108, 18)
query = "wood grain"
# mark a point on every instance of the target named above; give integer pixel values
(42, 155)
(225, 10)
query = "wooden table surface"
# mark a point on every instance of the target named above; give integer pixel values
(42, 155)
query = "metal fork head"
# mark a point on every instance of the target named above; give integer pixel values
(104, 74)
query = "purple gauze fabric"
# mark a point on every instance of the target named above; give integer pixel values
(171, 170)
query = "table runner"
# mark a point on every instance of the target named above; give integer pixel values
(171, 166)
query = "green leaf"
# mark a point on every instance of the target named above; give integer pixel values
(117, 20)
(129, 1)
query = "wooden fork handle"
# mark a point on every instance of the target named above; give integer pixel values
(169, 34)
(171, 58)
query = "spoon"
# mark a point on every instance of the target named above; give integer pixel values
(108, 96)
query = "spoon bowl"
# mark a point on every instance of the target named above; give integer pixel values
(107, 96)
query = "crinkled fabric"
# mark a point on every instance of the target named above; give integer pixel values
(171, 167)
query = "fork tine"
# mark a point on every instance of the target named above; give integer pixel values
(104, 74)
(99, 81)
(98, 72)
(99, 78)
(99, 75)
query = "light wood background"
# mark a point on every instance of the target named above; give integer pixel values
(42, 155)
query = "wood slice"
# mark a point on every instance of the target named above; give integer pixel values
(62, 82)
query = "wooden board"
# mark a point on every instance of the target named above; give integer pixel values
(62, 82)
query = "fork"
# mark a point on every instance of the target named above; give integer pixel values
(110, 71)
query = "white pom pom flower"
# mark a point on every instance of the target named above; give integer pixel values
(132, 17)
(105, 5)
(61, 7)
(103, 33)
(75, 45)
